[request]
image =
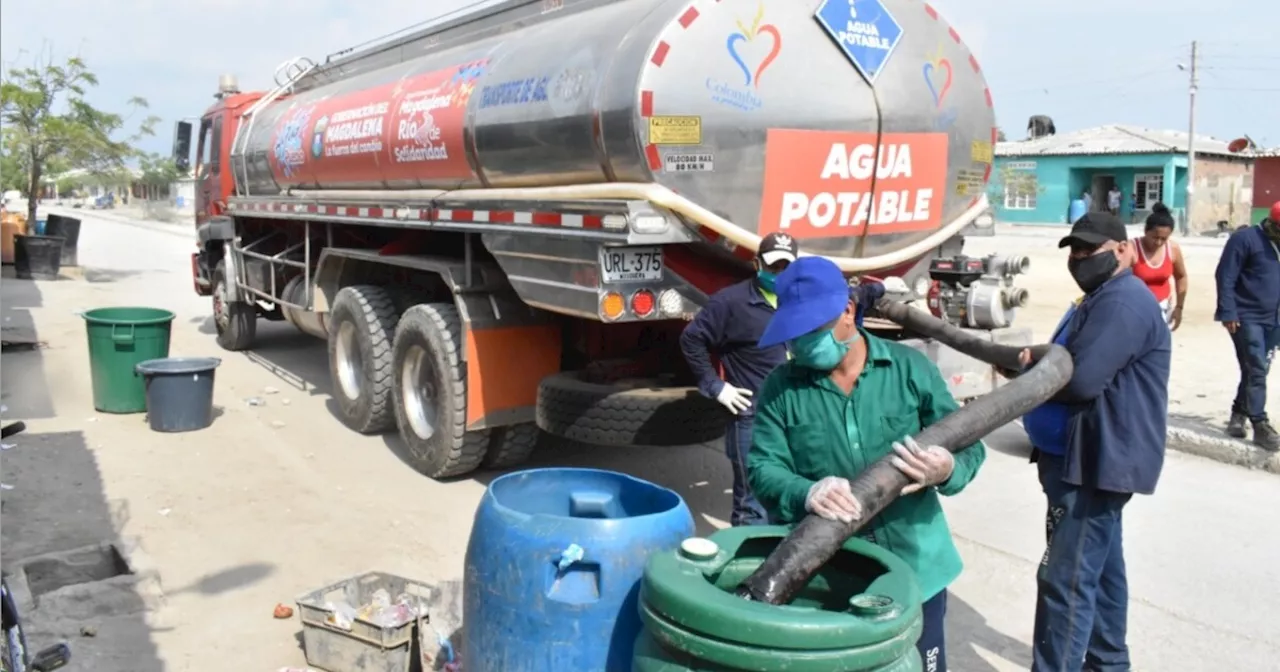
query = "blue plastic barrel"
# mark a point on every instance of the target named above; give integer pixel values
(1076, 211)
(554, 566)
(41, 224)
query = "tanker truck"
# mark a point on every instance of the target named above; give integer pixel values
(502, 222)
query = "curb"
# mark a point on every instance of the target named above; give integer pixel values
(1222, 449)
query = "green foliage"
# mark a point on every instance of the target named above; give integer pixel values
(158, 171)
(50, 127)
(1000, 137)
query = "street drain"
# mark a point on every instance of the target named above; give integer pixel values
(68, 569)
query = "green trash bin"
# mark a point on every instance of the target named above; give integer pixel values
(119, 340)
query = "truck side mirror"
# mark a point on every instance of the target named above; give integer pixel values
(182, 145)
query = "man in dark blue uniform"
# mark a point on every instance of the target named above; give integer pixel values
(728, 328)
(1099, 442)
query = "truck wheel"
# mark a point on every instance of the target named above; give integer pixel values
(511, 446)
(236, 321)
(430, 393)
(626, 413)
(362, 324)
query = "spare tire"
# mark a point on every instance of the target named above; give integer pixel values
(635, 413)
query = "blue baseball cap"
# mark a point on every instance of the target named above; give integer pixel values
(812, 292)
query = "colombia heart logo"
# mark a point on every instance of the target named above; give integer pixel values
(934, 70)
(748, 35)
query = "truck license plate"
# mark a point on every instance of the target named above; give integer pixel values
(631, 264)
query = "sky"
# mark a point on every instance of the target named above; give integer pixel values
(1082, 62)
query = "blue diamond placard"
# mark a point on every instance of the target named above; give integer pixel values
(864, 30)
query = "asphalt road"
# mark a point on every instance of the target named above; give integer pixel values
(1203, 552)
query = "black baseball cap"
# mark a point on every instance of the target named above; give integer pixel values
(777, 247)
(1094, 229)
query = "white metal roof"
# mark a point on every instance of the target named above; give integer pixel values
(1114, 139)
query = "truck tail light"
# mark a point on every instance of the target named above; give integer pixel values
(643, 303)
(612, 306)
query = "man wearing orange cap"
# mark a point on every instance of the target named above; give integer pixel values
(1248, 279)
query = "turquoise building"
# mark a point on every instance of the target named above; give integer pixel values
(1035, 181)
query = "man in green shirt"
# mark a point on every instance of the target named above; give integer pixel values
(844, 400)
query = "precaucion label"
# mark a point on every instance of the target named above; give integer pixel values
(980, 152)
(675, 130)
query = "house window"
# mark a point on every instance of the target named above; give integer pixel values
(1020, 187)
(1147, 190)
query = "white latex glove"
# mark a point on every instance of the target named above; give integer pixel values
(735, 399)
(925, 466)
(832, 499)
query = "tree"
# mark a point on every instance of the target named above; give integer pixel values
(1000, 137)
(48, 120)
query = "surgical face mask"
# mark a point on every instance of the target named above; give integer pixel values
(1091, 271)
(767, 280)
(821, 350)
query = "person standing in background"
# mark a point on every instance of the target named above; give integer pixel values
(1088, 200)
(1114, 197)
(1248, 279)
(728, 328)
(1133, 207)
(1159, 264)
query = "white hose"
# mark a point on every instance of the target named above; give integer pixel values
(662, 197)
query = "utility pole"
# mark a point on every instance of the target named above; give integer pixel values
(1191, 139)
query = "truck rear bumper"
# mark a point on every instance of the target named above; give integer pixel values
(968, 377)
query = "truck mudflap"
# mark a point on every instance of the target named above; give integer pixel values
(966, 377)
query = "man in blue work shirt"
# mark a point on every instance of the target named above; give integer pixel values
(728, 328)
(1248, 279)
(1097, 443)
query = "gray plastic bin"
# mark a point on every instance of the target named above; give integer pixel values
(366, 646)
(179, 392)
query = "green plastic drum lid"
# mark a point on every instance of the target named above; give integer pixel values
(681, 594)
(650, 656)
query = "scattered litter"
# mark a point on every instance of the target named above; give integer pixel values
(286, 402)
(3, 408)
(90, 419)
(282, 611)
(277, 424)
(7, 446)
(341, 615)
(295, 669)
(270, 390)
(5, 486)
(381, 611)
(164, 512)
(88, 631)
(569, 556)
(255, 401)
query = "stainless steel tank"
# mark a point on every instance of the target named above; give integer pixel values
(792, 115)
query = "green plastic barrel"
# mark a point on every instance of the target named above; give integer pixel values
(861, 613)
(119, 340)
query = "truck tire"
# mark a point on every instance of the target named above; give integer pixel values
(362, 324)
(235, 321)
(619, 415)
(430, 393)
(511, 446)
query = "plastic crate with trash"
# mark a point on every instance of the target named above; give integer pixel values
(369, 623)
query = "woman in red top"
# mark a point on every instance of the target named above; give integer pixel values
(1160, 265)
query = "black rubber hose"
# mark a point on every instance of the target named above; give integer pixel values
(815, 539)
